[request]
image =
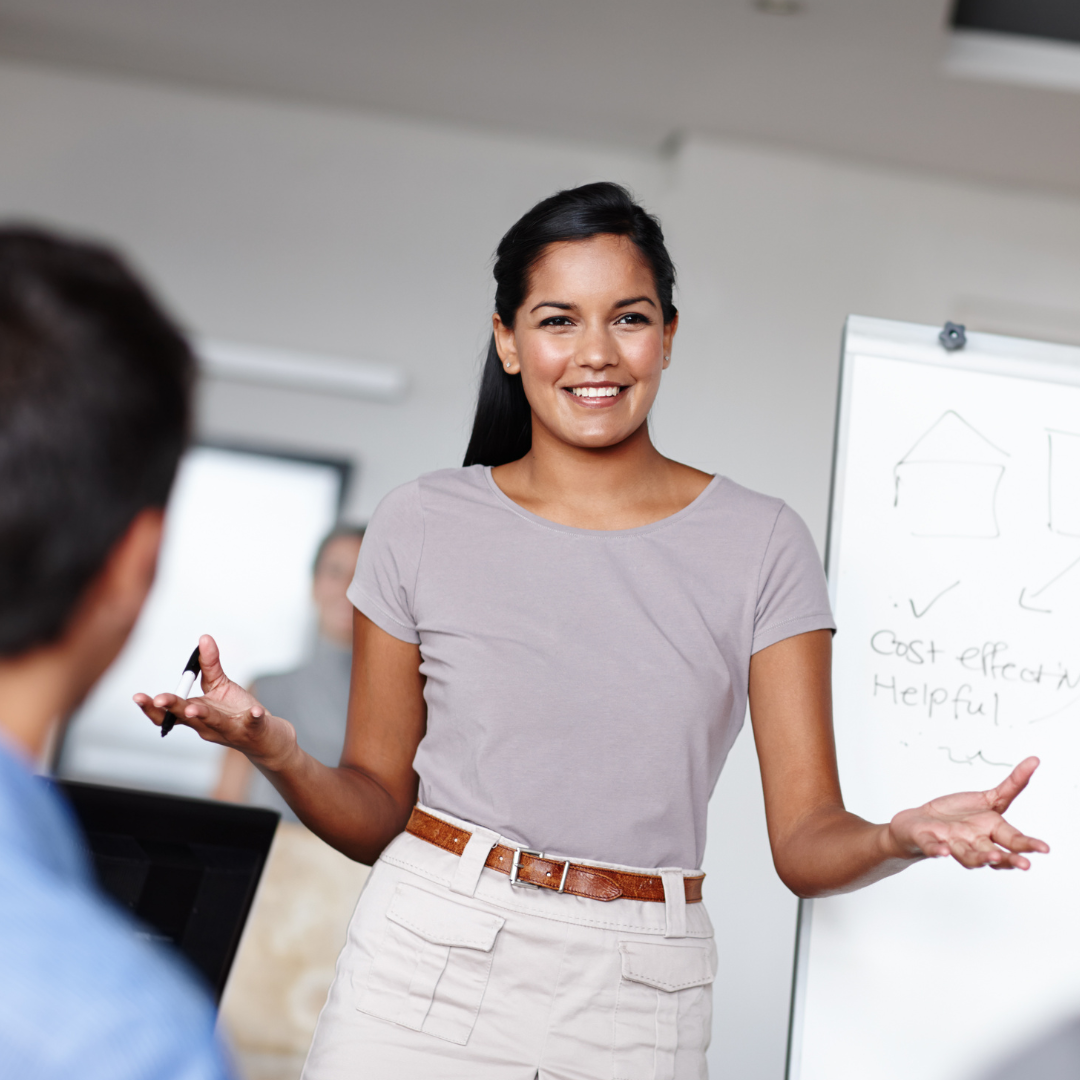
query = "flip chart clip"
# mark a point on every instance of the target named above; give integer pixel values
(952, 337)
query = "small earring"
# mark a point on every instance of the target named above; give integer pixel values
(507, 365)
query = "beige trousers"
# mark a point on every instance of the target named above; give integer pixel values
(451, 972)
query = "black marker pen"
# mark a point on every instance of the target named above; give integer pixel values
(187, 680)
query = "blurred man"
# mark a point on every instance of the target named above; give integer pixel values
(95, 386)
(315, 697)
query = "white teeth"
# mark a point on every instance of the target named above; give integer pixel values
(595, 391)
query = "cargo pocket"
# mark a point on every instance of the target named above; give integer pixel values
(431, 967)
(663, 1011)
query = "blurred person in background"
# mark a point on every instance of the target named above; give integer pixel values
(95, 407)
(316, 695)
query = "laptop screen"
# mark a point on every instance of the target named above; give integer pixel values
(187, 869)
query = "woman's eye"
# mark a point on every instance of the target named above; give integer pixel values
(556, 320)
(632, 317)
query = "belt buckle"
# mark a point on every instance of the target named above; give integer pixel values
(515, 868)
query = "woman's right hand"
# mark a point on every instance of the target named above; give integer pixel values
(226, 714)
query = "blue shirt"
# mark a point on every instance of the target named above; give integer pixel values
(81, 995)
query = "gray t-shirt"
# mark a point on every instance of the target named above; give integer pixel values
(584, 687)
(315, 699)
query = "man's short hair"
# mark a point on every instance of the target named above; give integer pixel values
(95, 407)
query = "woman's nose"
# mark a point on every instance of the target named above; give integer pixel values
(597, 350)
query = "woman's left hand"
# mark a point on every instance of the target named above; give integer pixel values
(969, 826)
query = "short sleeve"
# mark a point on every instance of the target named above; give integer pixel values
(384, 585)
(792, 595)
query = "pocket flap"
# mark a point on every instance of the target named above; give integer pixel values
(442, 921)
(668, 967)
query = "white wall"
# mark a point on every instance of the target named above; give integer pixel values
(289, 227)
(367, 236)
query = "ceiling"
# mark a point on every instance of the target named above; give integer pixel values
(859, 78)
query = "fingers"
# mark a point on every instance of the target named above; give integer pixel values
(973, 844)
(156, 708)
(931, 845)
(210, 662)
(971, 853)
(1002, 796)
(241, 729)
(980, 852)
(1008, 836)
(157, 715)
(184, 710)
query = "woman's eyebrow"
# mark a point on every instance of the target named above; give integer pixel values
(552, 303)
(570, 307)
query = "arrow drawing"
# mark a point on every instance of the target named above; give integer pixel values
(1035, 594)
(919, 614)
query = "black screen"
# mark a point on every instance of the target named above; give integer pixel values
(1057, 20)
(185, 868)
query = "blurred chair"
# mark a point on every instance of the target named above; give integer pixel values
(286, 959)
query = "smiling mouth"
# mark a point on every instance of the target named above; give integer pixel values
(593, 392)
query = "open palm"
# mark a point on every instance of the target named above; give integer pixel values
(970, 826)
(226, 713)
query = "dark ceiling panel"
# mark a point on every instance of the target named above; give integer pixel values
(1055, 19)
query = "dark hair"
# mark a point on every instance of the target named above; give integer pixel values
(95, 389)
(502, 430)
(338, 532)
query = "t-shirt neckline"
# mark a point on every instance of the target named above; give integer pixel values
(637, 530)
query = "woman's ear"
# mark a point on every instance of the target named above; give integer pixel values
(669, 338)
(505, 345)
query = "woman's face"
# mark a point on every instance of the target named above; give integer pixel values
(589, 341)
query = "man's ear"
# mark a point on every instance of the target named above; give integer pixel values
(132, 563)
(113, 600)
(108, 609)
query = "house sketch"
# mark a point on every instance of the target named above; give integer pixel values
(946, 485)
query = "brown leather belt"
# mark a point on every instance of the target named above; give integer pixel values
(533, 869)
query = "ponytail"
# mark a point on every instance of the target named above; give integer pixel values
(502, 428)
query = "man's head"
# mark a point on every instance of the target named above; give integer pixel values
(95, 403)
(335, 564)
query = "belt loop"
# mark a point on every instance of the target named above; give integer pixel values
(467, 874)
(674, 903)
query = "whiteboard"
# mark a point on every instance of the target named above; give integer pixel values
(954, 570)
(241, 532)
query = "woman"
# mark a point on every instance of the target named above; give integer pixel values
(554, 647)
